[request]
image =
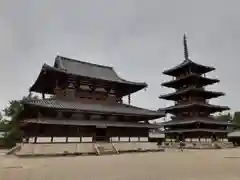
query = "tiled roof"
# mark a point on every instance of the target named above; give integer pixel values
(90, 70)
(82, 71)
(90, 123)
(188, 63)
(190, 78)
(197, 130)
(205, 121)
(208, 94)
(196, 104)
(116, 108)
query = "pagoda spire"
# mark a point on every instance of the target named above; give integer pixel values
(185, 46)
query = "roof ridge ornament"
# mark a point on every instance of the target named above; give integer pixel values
(185, 47)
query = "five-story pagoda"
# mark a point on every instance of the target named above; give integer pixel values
(192, 112)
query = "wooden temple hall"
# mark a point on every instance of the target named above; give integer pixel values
(192, 113)
(85, 105)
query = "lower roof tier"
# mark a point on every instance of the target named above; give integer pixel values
(195, 105)
(198, 130)
(96, 108)
(199, 92)
(100, 124)
(196, 120)
(190, 79)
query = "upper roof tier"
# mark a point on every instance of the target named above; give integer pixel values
(190, 79)
(82, 71)
(188, 65)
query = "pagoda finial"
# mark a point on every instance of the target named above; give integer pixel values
(185, 46)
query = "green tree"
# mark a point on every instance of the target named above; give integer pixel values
(13, 133)
(11, 126)
(236, 117)
(224, 117)
(1, 117)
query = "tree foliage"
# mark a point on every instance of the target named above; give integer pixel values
(236, 118)
(10, 126)
(224, 117)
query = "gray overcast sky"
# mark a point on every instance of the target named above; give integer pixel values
(139, 38)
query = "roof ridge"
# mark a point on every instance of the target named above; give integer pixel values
(83, 62)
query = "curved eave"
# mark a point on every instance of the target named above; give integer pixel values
(191, 77)
(197, 130)
(89, 123)
(212, 108)
(191, 91)
(185, 122)
(199, 68)
(45, 78)
(121, 109)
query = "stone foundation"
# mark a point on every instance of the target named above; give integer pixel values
(60, 149)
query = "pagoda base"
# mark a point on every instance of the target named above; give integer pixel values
(181, 136)
(223, 144)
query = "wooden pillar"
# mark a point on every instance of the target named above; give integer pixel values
(35, 139)
(129, 99)
(43, 95)
(36, 132)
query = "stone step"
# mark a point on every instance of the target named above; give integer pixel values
(106, 148)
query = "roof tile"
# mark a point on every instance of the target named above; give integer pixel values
(116, 108)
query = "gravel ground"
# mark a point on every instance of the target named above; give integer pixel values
(169, 165)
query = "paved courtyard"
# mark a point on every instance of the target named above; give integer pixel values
(170, 165)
